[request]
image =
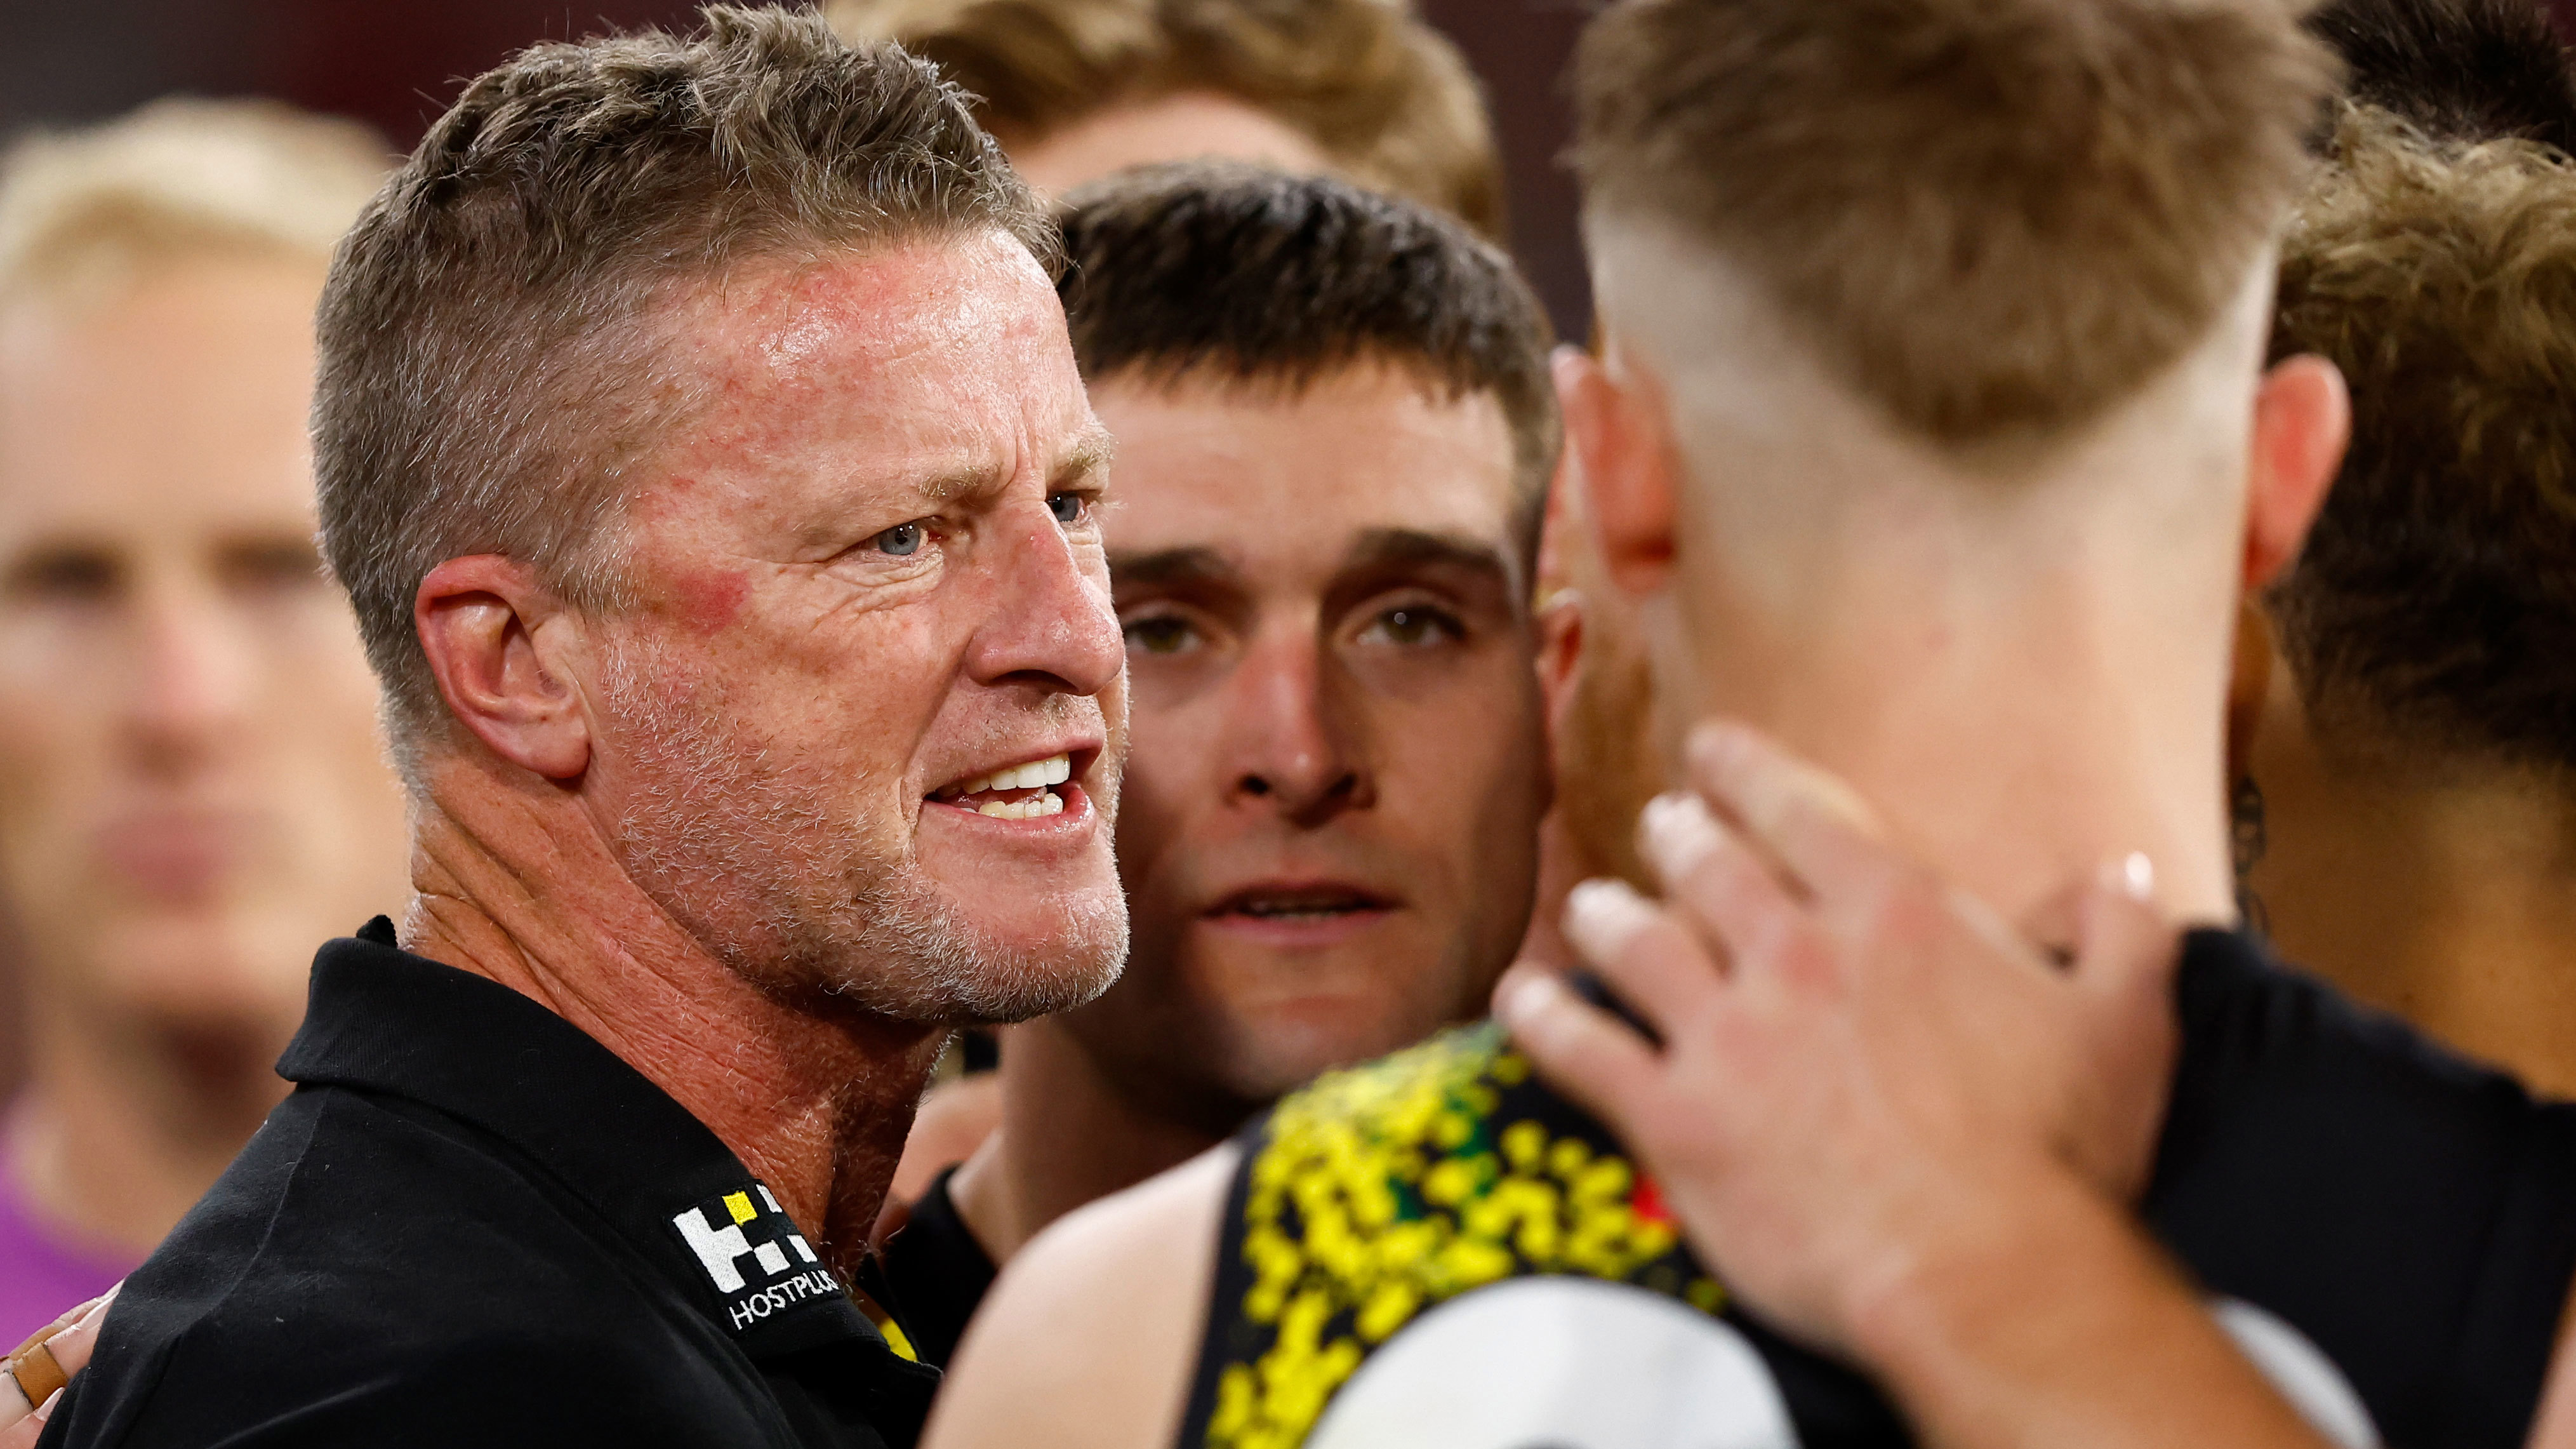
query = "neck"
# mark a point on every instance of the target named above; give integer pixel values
(125, 1124)
(2448, 897)
(1069, 1136)
(2017, 650)
(814, 1104)
(2015, 742)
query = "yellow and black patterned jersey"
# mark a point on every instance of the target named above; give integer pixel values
(1435, 1251)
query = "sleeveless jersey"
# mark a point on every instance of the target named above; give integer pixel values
(1435, 1251)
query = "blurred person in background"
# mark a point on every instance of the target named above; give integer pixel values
(2406, 812)
(1077, 89)
(1321, 557)
(191, 788)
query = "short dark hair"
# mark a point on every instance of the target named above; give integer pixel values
(2434, 607)
(492, 355)
(1990, 218)
(1239, 275)
(2472, 70)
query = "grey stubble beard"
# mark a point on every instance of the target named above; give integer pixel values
(822, 912)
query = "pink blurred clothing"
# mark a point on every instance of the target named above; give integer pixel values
(41, 1276)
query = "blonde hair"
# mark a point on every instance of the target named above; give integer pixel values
(98, 207)
(1382, 94)
(1993, 218)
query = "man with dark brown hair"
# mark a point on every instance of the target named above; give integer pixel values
(700, 444)
(1076, 89)
(1321, 561)
(1932, 430)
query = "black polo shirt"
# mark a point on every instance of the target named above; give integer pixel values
(473, 1224)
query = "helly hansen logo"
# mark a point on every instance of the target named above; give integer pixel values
(744, 1239)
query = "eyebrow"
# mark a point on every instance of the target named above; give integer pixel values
(1088, 457)
(1390, 548)
(1163, 567)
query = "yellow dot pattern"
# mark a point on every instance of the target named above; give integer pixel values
(1383, 1190)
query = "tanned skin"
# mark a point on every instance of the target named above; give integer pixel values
(872, 565)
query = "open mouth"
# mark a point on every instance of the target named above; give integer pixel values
(1312, 905)
(1020, 792)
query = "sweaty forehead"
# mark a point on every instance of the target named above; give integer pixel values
(1262, 473)
(926, 346)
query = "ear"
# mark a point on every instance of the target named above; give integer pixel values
(493, 637)
(1618, 440)
(2302, 422)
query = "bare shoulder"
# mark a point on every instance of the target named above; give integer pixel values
(1088, 1340)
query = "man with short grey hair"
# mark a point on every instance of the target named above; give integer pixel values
(701, 445)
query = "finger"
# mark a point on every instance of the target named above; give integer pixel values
(1718, 884)
(1588, 1054)
(1649, 960)
(1828, 842)
(72, 1347)
(2125, 950)
(21, 1429)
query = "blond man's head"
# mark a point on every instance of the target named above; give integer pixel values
(1360, 87)
(1984, 217)
(82, 212)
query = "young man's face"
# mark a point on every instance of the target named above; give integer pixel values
(860, 731)
(192, 795)
(1339, 764)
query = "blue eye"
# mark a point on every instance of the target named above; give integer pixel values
(1067, 507)
(902, 540)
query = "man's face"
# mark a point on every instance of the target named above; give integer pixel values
(1328, 840)
(191, 791)
(869, 576)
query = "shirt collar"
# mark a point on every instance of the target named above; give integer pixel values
(381, 1019)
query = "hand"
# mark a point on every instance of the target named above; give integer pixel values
(1860, 1068)
(70, 1339)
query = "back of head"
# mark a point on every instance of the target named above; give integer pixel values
(2467, 69)
(2432, 616)
(88, 211)
(1988, 219)
(1176, 273)
(1377, 90)
(492, 338)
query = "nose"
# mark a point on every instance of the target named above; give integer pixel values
(190, 680)
(1054, 627)
(1293, 744)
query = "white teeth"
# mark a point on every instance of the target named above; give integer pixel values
(1038, 808)
(1031, 776)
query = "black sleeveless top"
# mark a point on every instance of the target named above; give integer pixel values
(1437, 1251)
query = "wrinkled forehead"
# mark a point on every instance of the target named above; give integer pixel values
(927, 356)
